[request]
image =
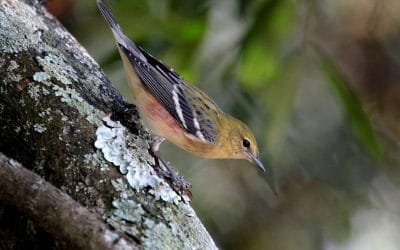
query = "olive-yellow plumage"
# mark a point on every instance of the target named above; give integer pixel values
(178, 112)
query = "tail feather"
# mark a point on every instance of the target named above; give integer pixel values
(119, 35)
(107, 15)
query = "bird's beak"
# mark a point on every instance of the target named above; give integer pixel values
(269, 177)
(258, 162)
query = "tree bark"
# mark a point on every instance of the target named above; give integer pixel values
(54, 107)
(54, 210)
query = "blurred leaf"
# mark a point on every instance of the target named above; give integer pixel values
(261, 45)
(192, 30)
(355, 115)
(262, 19)
(271, 20)
(282, 19)
(279, 98)
(257, 65)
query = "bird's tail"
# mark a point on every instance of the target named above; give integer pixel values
(108, 16)
(119, 35)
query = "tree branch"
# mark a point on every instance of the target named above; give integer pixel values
(53, 104)
(54, 210)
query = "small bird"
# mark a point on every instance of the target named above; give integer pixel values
(177, 111)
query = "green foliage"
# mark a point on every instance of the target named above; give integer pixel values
(257, 66)
(268, 78)
(354, 112)
(279, 99)
(266, 72)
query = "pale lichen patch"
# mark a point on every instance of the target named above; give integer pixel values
(122, 149)
(73, 98)
(64, 118)
(158, 235)
(128, 210)
(110, 236)
(24, 30)
(121, 187)
(13, 74)
(58, 68)
(45, 91)
(46, 112)
(115, 222)
(41, 76)
(14, 77)
(34, 91)
(39, 127)
(94, 159)
(17, 130)
(12, 66)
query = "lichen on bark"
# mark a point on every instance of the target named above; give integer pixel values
(53, 99)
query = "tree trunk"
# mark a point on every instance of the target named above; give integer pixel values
(54, 116)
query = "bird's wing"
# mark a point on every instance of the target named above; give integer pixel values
(189, 106)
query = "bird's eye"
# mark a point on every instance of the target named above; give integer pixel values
(246, 143)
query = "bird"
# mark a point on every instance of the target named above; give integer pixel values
(177, 111)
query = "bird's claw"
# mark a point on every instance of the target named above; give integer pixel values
(164, 169)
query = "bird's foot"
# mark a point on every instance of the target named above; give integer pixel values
(170, 173)
(165, 169)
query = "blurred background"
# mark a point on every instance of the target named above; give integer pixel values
(318, 81)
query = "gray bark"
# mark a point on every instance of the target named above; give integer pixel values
(54, 210)
(54, 107)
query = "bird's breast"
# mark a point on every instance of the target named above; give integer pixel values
(162, 123)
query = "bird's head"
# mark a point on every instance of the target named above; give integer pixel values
(243, 144)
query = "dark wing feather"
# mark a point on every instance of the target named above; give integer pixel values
(164, 83)
(206, 115)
